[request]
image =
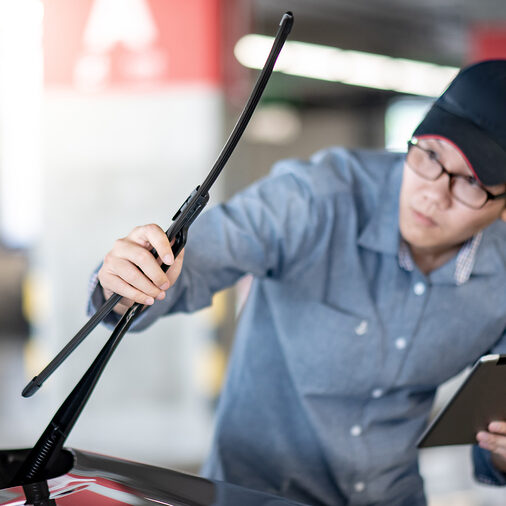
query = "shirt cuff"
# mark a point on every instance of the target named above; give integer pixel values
(484, 469)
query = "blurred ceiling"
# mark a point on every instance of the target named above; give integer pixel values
(435, 31)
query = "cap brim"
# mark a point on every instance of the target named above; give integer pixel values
(487, 158)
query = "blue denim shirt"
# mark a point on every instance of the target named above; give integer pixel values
(339, 349)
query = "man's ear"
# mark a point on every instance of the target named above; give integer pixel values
(503, 214)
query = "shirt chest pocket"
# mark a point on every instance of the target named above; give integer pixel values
(328, 351)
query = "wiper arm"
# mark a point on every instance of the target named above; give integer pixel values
(51, 441)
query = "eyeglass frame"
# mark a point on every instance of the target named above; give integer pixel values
(413, 142)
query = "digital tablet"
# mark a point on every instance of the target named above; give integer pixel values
(480, 400)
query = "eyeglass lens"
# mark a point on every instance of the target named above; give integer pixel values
(425, 163)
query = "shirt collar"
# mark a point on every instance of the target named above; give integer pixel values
(381, 233)
(490, 256)
(464, 261)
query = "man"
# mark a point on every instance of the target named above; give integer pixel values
(378, 276)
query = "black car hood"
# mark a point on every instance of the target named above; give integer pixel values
(81, 478)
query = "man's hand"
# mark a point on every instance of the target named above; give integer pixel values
(130, 269)
(495, 441)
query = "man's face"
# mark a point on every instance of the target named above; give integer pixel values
(430, 219)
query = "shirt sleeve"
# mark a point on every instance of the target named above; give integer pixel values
(265, 230)
(484, 469)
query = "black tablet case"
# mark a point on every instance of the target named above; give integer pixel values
(480, 400)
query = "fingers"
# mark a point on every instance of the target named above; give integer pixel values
(152, 236)
(129, 258)
(131, 270)
(498, 427)
(112, 278)
(175, 268)
(122, 306)
(495, 439)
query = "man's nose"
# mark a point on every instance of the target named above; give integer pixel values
(438, 191)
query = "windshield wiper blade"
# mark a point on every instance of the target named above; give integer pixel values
(186, 214)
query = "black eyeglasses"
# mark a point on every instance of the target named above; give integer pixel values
(466, 189)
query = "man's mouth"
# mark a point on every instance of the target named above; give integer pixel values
(423, 219)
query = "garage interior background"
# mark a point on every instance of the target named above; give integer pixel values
(111, 111)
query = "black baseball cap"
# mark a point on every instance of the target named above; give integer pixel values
(471, 114)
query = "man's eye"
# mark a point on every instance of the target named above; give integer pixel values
(470, 180)
(432, 155)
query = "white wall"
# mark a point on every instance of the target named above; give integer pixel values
(111, 162)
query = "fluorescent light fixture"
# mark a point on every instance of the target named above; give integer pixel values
(346, 66)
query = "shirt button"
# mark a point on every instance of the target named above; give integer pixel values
(356, 430)
(400, 343)
(361, 328)
(359, 486)
(377, 393)
(419, 288)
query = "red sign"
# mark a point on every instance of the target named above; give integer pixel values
(99, 44)
(487, 42)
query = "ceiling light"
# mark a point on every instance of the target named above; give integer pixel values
(346, 66)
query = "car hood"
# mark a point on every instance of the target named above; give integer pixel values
(82, 478)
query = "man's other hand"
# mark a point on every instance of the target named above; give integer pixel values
(495, 441)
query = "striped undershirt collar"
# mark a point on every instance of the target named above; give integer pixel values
(464, 262)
